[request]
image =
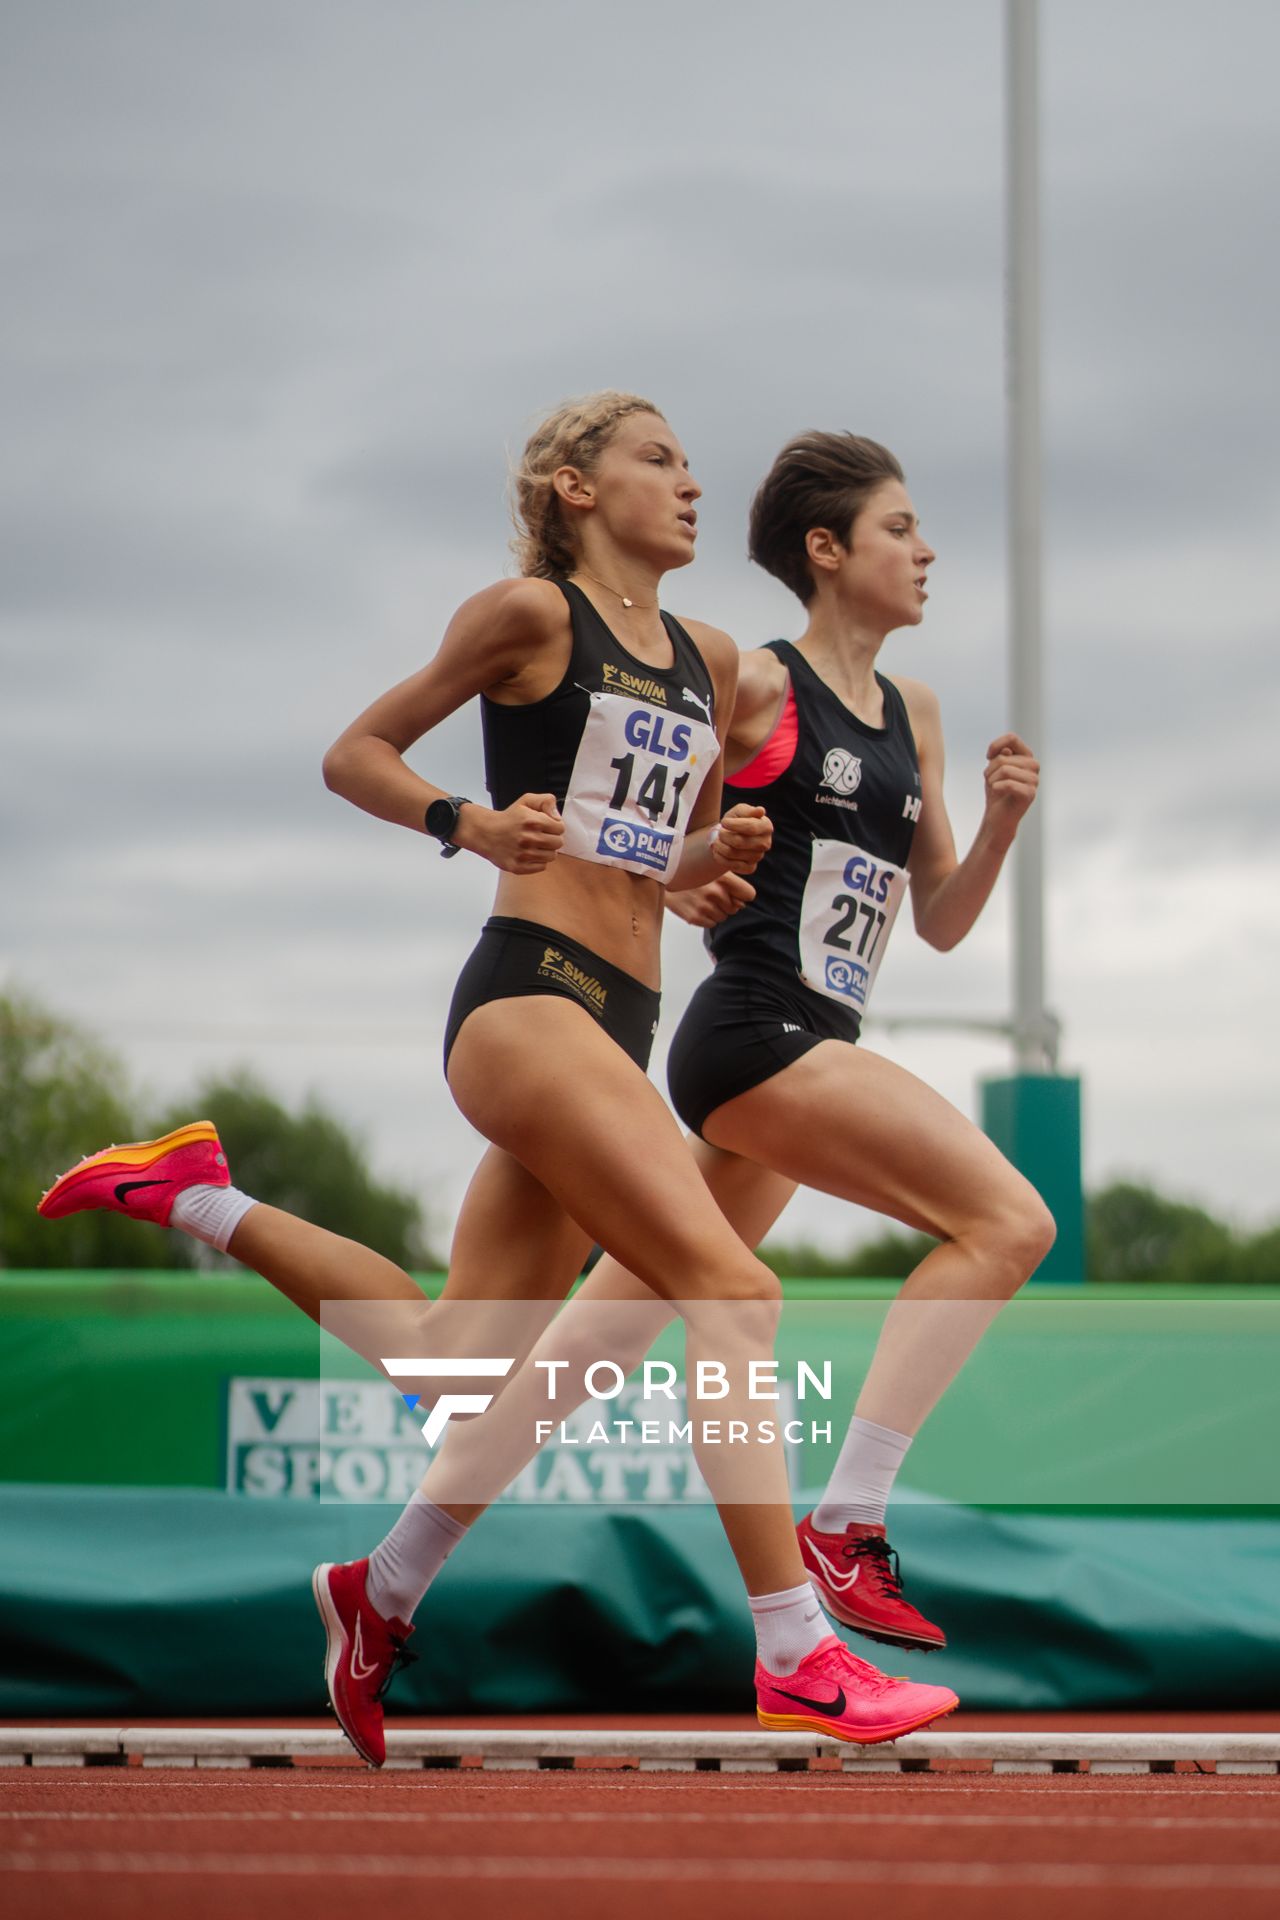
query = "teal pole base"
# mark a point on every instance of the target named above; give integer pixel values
(1034, 1119)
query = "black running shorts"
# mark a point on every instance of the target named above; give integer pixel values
(746, 1022)
(516, 957)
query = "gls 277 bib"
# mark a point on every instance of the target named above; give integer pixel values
(636, 777)
(850, 904)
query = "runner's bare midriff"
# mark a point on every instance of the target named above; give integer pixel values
(617, 915)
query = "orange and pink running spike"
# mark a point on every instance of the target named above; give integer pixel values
(142, 1180)
(834, 1692)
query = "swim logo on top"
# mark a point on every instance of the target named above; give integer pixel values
(618, 680)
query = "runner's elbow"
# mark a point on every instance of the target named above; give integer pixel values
(932, 926)
(338, 765)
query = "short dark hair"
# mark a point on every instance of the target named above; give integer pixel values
(818, 480)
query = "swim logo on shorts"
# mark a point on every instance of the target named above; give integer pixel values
(564, 972)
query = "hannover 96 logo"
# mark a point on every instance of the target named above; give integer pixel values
(841, 771)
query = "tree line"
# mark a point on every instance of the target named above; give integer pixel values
(62, 1095)
(1132, 1233)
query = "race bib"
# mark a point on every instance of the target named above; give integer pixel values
(850, 903)
(635, 779)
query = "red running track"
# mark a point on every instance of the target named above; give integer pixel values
(147, 1845)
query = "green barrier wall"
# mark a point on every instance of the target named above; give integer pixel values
(132, 1583)
(120, 1379)
(1085, 1396)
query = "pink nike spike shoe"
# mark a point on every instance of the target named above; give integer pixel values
(855, 1575)
(834, 1692)
(142, 1180)
(363, 1653)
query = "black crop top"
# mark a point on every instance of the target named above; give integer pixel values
(623, 746)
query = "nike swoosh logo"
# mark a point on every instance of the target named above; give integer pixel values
(840, 1581)
(361, 1669)
(834, 1707)
(812, 1616)
(127, 1187)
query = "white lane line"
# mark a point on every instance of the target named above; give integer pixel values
(513, 1817)
(472, 1867)
(475, 1781)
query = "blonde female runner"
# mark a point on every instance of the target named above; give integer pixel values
(599, 715)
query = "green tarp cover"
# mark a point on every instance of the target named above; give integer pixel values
(181, 1601)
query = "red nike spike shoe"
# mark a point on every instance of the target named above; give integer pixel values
(364, 1651)
(855, 1575)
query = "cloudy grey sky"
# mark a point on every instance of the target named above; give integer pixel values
(286, 280)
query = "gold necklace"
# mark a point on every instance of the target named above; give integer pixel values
(613, 590)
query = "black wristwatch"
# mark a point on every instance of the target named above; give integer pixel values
(442, 822)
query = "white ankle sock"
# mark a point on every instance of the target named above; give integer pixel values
(402, 1566)
(788, 1626)
(862, 1478)
(211, 1214)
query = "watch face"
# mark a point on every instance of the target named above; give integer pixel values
(442, 818)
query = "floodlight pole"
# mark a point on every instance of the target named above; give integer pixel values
(1032, 1114)
(1034, 1031)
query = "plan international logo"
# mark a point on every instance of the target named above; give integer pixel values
(644, 846)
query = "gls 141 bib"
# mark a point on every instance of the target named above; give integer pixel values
(636, 777)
